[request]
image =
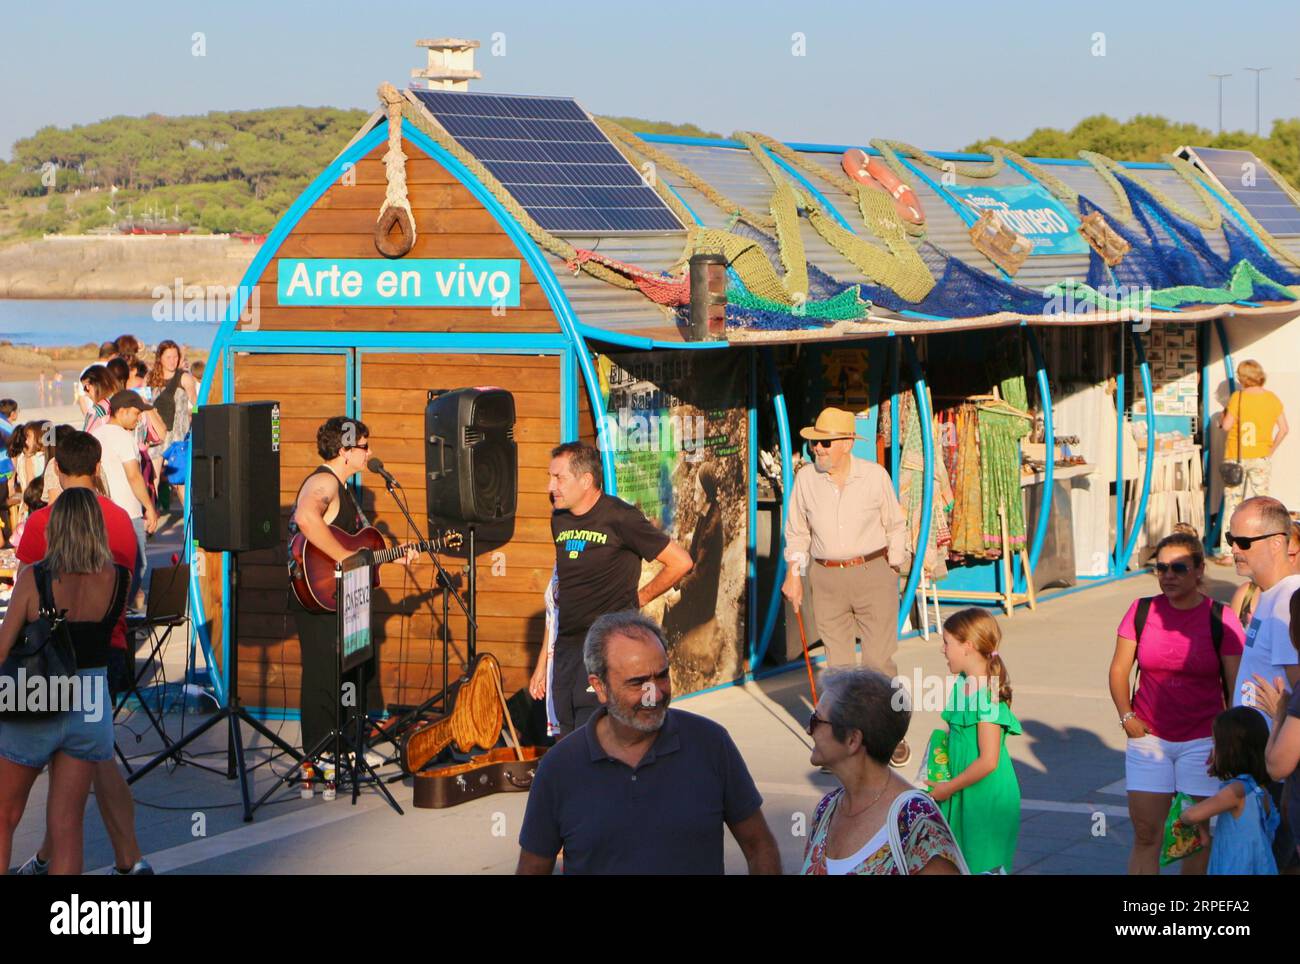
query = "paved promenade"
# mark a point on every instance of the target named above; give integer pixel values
(1070, 763)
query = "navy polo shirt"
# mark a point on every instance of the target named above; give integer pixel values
(664, 817)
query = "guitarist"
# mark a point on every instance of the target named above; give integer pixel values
(324, 500)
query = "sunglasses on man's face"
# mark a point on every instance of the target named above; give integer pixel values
(823, 443)
(1178, 568)
(1245, 542)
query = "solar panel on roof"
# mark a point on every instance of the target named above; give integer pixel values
(553, 160)
(1241, 174)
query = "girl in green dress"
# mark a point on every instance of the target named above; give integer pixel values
(982, 799)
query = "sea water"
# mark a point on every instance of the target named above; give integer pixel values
(50, 323)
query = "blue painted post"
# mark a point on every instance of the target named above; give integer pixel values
(1211, 536)
(1049, 471)
(927, 491)
(787, 488)
(1230, 371)
(751, 550)
(1139, 520)
(894, 362)
(1116, 567)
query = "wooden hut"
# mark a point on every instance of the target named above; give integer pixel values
(340, 315)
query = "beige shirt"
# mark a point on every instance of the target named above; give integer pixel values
(827, 521)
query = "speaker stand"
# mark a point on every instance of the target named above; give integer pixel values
(231, 714)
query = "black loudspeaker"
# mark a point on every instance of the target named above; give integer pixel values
(235, 476)
(470, 456)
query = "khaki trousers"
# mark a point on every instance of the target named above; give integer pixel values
(859, 602)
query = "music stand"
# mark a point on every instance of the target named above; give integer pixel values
(354, 646)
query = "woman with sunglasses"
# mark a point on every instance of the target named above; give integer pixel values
(857, 723)
(1187, 648)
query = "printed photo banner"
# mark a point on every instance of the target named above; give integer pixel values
(678, 425)
(1027, 209)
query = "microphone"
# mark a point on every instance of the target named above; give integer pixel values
(376, 466)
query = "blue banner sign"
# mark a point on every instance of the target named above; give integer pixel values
(1027, 209)
(408, 283)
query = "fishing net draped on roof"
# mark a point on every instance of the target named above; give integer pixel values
(809, 247)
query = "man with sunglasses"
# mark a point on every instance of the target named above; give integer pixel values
(1259, 534)
(844, 527)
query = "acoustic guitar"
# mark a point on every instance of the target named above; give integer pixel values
(311, 571)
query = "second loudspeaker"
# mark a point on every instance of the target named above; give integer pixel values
(470, 456)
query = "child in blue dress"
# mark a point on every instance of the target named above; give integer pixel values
(1247, 819)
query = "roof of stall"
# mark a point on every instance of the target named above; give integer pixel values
(625, 316)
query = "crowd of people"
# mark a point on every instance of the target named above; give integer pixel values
(1213, 714)
(636, 786)
(140, 412)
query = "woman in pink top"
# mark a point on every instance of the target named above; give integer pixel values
(1185, 649)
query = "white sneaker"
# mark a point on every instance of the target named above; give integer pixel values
(35, 867)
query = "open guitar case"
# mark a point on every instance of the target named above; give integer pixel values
(475, 722)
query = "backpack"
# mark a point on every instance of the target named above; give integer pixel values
(1216, 634)
(44, 650)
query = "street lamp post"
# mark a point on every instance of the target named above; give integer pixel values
(1257, 71)
(1219, 78)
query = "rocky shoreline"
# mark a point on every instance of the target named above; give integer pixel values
(120, 266)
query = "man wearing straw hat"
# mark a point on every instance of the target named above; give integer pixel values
(845, 528)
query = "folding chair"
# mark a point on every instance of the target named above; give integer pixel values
(165, 610)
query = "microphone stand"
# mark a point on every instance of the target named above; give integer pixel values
(444, 581)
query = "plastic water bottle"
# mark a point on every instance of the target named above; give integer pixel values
(306, 788)
(328, 792)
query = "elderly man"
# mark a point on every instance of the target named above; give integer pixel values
(641, 788)
(1258, 533)
(600, 542)
(844, 519)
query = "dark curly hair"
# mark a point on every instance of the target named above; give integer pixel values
(330, 437)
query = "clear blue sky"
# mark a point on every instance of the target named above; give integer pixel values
(721, 65)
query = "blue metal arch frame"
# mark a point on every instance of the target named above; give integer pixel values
(927, 490)
(1140, 517)
(1213, 521)
(1049, 469)
(787, 489)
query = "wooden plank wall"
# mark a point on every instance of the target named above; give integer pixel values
(309, 388)
(449, 222)
(511, 577)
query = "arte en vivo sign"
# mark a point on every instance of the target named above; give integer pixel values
(412, 282)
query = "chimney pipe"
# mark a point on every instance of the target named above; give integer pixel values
(708, 297)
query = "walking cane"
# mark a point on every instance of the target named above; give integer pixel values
(807, 660)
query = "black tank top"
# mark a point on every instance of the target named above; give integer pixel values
(350, 518)
(91, 638)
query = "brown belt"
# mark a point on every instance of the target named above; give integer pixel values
(855, 561)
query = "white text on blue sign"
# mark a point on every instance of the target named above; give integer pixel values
(414, 282)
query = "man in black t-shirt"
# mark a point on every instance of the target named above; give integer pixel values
(600, 542)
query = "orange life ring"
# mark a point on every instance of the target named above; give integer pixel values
(875, 173)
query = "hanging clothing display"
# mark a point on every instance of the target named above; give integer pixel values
(967, 523)
(911, 490)
(1000, 434)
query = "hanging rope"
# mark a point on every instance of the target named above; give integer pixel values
(395, 212)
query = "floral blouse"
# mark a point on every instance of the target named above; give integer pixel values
(924, 833)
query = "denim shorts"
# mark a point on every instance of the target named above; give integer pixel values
(85, 733)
